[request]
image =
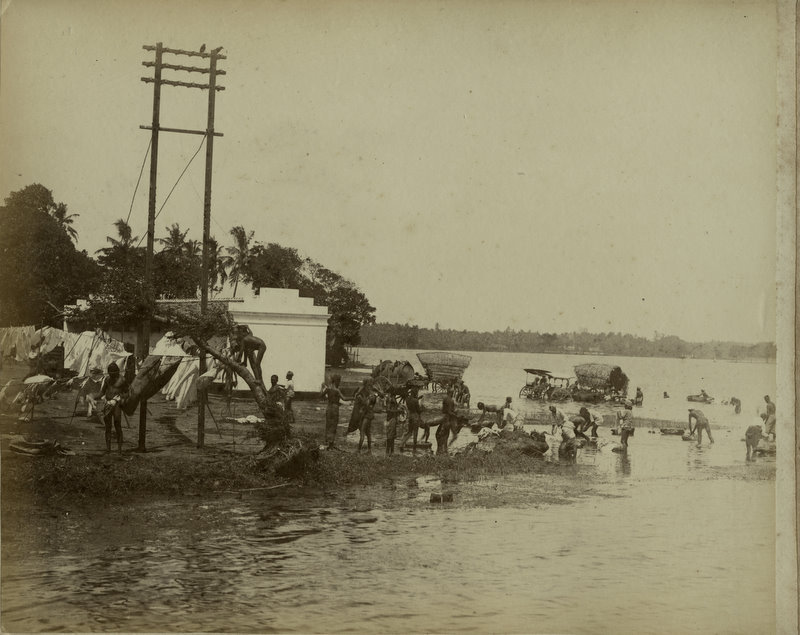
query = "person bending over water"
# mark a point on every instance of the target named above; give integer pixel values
(490, 409)
(701, 423)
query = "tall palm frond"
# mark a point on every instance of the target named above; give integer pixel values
(65, 220)
(238, 257)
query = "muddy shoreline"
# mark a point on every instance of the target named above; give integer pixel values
(229, 463)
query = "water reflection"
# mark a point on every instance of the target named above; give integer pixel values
(377, 559)
(623, 465)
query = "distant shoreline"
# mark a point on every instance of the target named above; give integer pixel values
(407, 336)
(742, 360)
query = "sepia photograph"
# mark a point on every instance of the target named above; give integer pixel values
(434, 316)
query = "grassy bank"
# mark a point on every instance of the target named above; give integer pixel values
(114, 477)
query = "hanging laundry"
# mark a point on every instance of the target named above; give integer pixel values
(16, 340)
(183, 385)
(153, 375)
(93, 350)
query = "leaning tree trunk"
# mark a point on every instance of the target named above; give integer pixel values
(289, 457)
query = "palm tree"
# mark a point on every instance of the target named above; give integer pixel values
(65, 220)
(217, 273)
(122, 248)
(238, 257)
(175, 241)
(125, 233)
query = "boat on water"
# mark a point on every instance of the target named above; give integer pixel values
(702, 398)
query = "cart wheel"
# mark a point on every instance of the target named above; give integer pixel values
(382, 384)
(402, 417)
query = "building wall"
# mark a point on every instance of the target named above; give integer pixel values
(292, 328)
(294, 332)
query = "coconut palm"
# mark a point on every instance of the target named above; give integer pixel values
(238, 257)
(65, 220)
(125, 234)
(122, 248)
(175, 242)
(217, 273)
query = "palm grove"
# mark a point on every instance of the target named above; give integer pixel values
(44, 271)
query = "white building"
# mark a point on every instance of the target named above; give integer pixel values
(293, 330)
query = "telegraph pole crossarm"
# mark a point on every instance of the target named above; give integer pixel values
(188, 69)
(183, 130)
(150, 47)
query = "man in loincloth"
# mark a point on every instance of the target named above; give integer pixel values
(701, 423)
(249, 348)
(590, 421)
(486, 408)
(289, 398)
(625, 424)
(112, 392)
(390, 426)
(751, 438)
(360, 399)
(568, 449)
(448, 424)
(557, 419)
(414, 419)
(335, 397)
(366, 423)
(769, 423)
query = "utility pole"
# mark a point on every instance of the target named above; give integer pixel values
(212, 88)
(151, 229)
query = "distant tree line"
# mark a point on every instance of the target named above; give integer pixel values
(385, 335)
(43, 271)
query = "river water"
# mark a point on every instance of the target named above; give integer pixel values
(669, 539)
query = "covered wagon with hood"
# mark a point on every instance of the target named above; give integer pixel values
(598, 382)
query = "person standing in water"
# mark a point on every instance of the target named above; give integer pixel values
(701, 423)
(449, 422)
(769, 423)
(625, 424)
(558, 418)
(751, 438)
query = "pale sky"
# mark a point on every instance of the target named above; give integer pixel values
(546, 166)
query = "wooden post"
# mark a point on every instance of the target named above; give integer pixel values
(151, 228)
(202, 396)
(209, 133)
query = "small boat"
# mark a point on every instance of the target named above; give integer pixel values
(673, 431)
(700, 398)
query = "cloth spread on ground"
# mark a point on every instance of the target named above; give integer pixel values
(40, 448)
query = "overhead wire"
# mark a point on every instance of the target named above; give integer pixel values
(139, 180)
(203, 140)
